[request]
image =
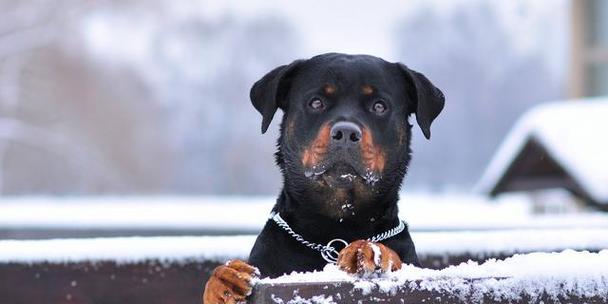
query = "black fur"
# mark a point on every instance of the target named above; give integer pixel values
(312, 205)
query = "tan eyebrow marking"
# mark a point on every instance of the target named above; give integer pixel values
(329, 89)
(367, 89)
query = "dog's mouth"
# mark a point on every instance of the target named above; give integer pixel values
(341, 174)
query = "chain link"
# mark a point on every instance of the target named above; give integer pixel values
(388, 234)
(329, 253)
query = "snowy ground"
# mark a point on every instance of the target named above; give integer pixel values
(126, 250)
(563, 274)
(441, 224)
(177, 249)
(248, 214)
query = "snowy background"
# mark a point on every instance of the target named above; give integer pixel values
(131, 118)
(132, 97)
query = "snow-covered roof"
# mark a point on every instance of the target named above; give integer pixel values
(574, 133)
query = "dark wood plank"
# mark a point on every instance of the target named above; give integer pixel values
(107, 282)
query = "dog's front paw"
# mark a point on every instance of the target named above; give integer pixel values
(364, 258)
(230, 283)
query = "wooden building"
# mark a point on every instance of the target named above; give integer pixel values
(561, 145)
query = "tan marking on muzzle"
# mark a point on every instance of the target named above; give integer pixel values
(313, 154)
(372, 155)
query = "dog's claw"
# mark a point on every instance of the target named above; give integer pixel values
(365, 258)
(230, 283)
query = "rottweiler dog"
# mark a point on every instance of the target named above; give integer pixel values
(343, 151)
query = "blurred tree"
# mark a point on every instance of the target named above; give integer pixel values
(203, 72)
(221, 146)
(67, 124)
(487, 81)
(25, 28)
(134, 97)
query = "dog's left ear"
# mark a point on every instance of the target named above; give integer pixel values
(269, 93)
(428, 99)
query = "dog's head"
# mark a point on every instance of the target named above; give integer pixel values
(345, 134)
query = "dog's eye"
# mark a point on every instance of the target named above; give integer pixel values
(316, 104)
(379, 107)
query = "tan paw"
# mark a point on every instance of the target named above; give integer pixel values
(230, 283)
(364, 257)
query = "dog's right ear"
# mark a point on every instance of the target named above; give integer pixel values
(428, 99)
(269, 93)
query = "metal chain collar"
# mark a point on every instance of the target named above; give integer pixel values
(329, 252)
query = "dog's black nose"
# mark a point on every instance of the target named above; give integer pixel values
(345, 133)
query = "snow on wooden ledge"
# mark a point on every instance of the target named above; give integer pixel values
(565, 277)
(173, 269)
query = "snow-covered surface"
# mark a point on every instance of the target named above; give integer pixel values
(565, 273)
(135, 249)
(126, 250)
(480, 243)
(423, 212)
(172, 213)
(574, 134)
